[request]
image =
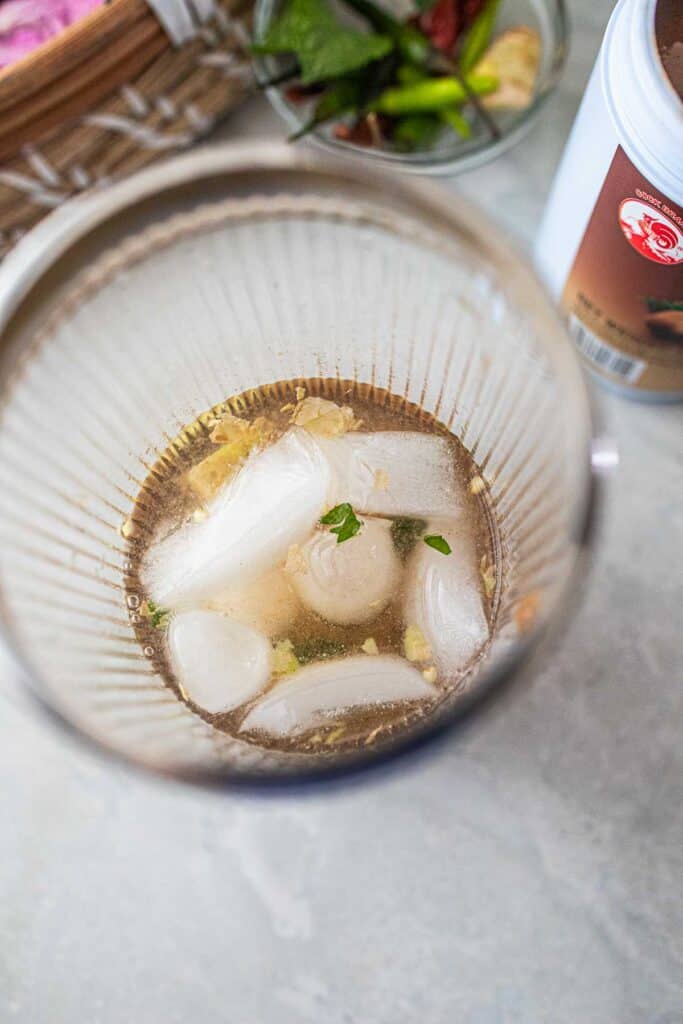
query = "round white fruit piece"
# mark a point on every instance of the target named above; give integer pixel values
(351, 582)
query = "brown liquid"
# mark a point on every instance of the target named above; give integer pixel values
(165, 497)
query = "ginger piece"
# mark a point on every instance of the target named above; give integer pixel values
(285, 661)
(513, 58)
(323, 417)
(416, 645)
(209, 475)
(236, 437)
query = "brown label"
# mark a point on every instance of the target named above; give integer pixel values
(624, 294)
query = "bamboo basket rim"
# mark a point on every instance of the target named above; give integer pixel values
(111, 94)
(44, 54)
(69, 74)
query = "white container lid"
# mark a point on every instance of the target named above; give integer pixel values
(645, 108)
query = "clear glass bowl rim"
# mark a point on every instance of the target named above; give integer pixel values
(425, 163)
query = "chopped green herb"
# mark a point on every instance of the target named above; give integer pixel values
(337, 514)
(344, 522)
(157, 616)
(317, 648)
(348, 529)
(405, 534)
(439, 543)
(323, 47)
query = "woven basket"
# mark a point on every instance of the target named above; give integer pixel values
(112, 93)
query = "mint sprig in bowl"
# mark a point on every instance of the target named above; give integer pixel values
(428, 86)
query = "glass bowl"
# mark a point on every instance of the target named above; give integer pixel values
(126, 315)
(449, 154)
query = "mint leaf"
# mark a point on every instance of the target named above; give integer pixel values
(349, 528)
(344, 520)
(337, 514)
(324, 48)
(439, 543)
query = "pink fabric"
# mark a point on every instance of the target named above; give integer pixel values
(25, 24)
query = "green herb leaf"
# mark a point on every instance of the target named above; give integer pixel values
(407, 39)
(439, 543)
(344, 521)
(405, 534)
(317, 648)
(424, 5)
(324, 48)
(337, 514)
(157, 616)
(349, 528)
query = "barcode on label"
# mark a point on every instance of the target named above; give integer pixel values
(603, 355)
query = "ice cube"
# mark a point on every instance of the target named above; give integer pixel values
(316, 694)
(273, 502)
(268, 603)
(219, 663)
(350, 582)
(444, 597)
(394, 473)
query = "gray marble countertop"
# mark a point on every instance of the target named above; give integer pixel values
(527, 871)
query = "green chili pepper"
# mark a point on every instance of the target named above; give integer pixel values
(408, 74)
(432, 95)
(342, 96)
(479, 36)
(454, 119)
(417, 131)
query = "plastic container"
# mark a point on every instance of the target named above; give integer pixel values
(610, 245)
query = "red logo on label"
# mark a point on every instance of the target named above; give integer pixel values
(651, 233)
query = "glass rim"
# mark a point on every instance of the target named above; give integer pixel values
(43, 248)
